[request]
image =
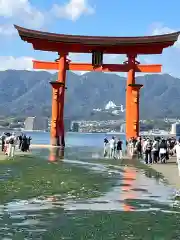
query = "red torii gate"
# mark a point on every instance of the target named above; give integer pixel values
(65, 44)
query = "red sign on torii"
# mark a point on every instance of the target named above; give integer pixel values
(65, 44)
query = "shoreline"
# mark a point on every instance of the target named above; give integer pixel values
(169, 171)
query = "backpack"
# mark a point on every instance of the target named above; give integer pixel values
(11, 141)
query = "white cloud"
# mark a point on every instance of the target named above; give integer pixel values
(72, 10)
(19, 63)
(160, 29)
(10, 8)
(7, 30)
(21, 10)
(170, 56)
(24, 13)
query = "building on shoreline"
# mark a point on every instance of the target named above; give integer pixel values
(75, 127)
(67, 124)
(175, 129)
(36, 123)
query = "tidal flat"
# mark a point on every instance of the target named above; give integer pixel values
(85, 196)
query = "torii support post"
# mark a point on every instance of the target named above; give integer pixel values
(61, 79)
(134, 123)
(131, 62)
(55, 113)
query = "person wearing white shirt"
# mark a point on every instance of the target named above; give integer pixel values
(131, 147)
(177, 149)
(11, 145)
(144, 145)
(112, 147)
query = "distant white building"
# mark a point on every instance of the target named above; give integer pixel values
(35, 123)
(110, 105)
(175, 129)
(75, 127)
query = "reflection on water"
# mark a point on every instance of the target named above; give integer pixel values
(129, 177)
(130, 185)
(84, 197)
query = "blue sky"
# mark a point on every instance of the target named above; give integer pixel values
(87, 17)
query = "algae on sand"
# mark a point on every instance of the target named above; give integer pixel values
(26, 177)
(116, 226)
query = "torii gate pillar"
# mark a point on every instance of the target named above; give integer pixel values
(130, 80)
(62, 80)
(135, 95)
(56, 98)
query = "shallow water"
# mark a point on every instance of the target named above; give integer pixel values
(84, 196)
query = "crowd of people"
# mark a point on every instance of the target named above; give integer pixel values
(153, 150)
(113, 148)
(9, 142)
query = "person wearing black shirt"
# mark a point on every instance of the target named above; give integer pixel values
(105, 147)
(3, 138)
(20, 138)
(119, 149)
(24, 146)
(163, 151)
(28, 143)
(138, 148)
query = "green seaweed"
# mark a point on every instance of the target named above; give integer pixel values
(28, 176)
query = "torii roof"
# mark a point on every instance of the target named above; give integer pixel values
(53, 42)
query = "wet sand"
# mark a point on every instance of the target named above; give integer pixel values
(48, 146)
(169, 171)
(17, 153)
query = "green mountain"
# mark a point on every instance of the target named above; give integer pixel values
(28, 93)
